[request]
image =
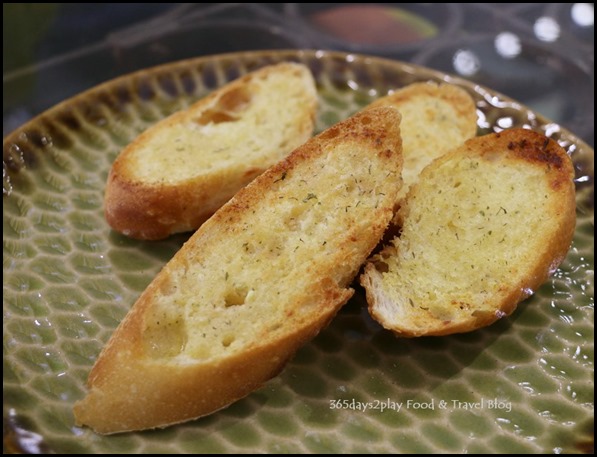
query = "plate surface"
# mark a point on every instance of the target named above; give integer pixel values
(522, 385)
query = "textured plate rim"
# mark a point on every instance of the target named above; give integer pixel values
(290, 54)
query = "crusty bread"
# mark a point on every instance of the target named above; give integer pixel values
(483, 228)
(261, 277)
(177, 173)
(435, 119)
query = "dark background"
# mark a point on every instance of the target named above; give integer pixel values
(540, 54)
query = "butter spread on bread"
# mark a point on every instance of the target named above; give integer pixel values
(482, 229)
(256, 281)
(178, 172)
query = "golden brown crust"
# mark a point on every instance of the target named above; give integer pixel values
(518, 148)
(153, 210)
(170, 394)
(130, 390)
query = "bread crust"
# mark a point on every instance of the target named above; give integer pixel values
(152, 210)
(130, 390)
(521, 148)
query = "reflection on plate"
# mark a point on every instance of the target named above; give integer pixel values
(523, 385)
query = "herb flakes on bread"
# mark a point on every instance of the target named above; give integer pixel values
(255, 282)
(482, 229)
(435, 119)
(178, 172)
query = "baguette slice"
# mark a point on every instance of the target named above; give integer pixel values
(483, 228)
(177, 173)
(435, 119)
(256, 281)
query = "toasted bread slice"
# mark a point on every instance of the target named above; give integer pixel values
(435, 119)
(261, 277)
(177, 173)
(483, 228)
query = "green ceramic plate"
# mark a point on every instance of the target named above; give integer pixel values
(523, 385)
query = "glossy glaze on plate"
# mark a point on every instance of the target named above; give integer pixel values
(522, 385)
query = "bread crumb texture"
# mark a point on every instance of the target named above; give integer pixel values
(245, 287)
(220, 132)
(475, 227)
(177, 173)
(435, 119)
